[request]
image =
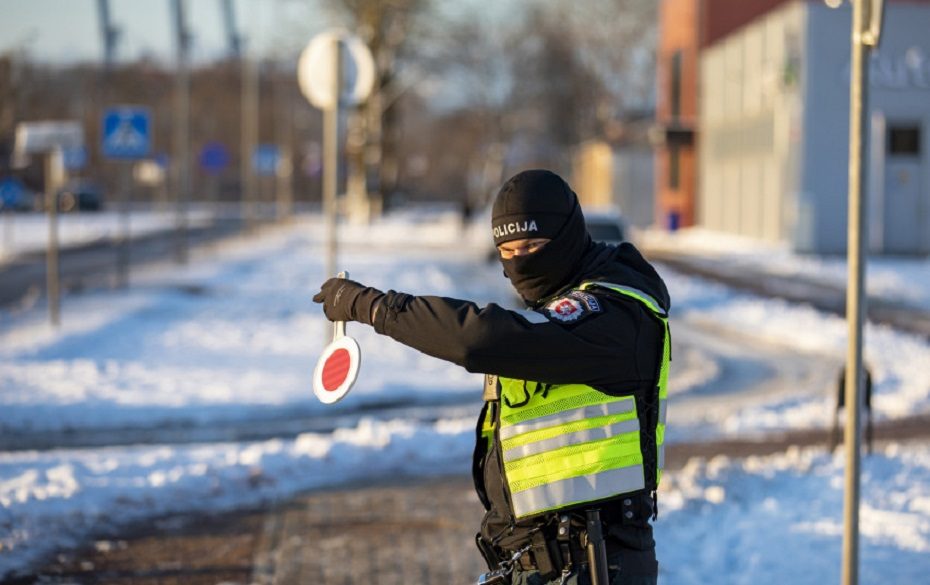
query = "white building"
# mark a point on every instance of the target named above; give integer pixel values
(774, 129)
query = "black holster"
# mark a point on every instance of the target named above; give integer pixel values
(489, 552)
(596, 548)
(546, 556)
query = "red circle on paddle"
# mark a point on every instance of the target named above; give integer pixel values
(336, 369)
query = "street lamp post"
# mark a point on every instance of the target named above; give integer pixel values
(866, 28)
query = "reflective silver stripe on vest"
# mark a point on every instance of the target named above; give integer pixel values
(654, 305)
(663, 410)
(576, 490)
(585, 412)
(661, 459)
(575, 438)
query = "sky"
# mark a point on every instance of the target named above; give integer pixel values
(68, 30)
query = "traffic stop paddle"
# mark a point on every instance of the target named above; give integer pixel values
(337, 367)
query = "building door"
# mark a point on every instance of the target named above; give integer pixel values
(905, 196)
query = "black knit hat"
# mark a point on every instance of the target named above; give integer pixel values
(532, 204)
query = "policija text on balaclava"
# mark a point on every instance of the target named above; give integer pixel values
(540, 204)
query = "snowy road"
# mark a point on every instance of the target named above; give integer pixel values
(898, 287)
(716, 373)
(222, 351)
(741, 372)
(94, 263)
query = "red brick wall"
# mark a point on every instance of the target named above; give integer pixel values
(721, 17)
(678, 24)
(690, 26)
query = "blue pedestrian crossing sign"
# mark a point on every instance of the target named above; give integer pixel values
(126, 132)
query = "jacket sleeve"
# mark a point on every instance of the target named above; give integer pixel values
(601, 349)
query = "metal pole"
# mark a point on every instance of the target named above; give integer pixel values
(855, 300)
(123, 254)
(108, 32)
(284, 122)
(229, 25)
(7, 232)
(54, 179)
(330, 164)
(181, 131)
(249, 138)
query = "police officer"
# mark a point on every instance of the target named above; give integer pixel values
(575, 388)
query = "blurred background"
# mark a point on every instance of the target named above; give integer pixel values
(465, 92)
(163, 226)
(725, 115)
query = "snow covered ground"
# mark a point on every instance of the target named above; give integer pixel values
(28, 232)
(906, 279)
(234, 338)
(779, 519)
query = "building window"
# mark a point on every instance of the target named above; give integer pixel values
(675, 93)
(674, 163)
(904, 140)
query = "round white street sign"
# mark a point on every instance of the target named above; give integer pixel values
(316, 71)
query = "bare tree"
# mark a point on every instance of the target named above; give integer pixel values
(555, 94)
(387, 27)
(615, 39)
(550, 75)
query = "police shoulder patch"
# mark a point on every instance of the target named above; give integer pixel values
(587, 299)
(572, 307)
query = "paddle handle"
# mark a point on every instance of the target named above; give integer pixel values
(339, 327)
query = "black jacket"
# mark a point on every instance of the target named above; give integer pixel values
(603, 349)
(616, 349)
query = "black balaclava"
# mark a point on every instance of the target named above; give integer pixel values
(540, 204)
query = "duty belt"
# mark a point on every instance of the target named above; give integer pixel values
(527, 561)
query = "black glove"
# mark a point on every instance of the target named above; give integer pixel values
(347, 300)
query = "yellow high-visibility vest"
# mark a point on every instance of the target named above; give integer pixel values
(568, 444)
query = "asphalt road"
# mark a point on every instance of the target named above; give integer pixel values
(95, 265)
(748, 371)
(399, 532)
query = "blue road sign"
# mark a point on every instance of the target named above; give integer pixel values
(12, 194)
(126, 133)
(214, 158)
(75, 159)
(265, 159)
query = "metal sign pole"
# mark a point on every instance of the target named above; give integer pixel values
(249, 136)
(866, 28)
(54, 179)
(181, 129)
(7, 232)
(50, 139)
(330, 162)
(123, 254)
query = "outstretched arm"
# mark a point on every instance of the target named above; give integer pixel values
(598, 347)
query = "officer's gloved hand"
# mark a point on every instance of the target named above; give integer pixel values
(347, 300)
